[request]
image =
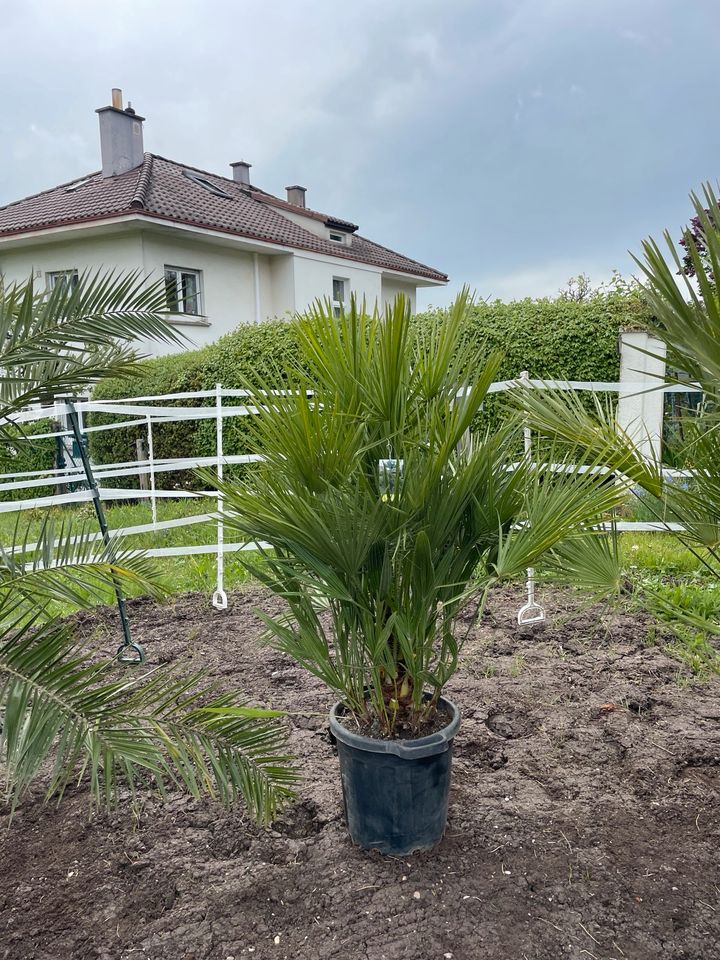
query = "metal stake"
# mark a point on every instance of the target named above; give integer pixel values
(532, 611)
(219, 598)
(124, 655)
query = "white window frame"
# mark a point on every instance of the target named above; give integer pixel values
(53, 277)
(179, 311)
(339, 304)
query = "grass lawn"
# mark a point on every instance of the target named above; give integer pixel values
(180, 574)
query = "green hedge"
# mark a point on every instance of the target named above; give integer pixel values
(21, 453)
(259, 349)
(549, 338)
(554, 339)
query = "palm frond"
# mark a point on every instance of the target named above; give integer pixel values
(590, 561)
(594, 435)
(62, 341)
(63, 715)
(68, 564)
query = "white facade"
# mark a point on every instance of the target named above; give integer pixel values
(241, 281)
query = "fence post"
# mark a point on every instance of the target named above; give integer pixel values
(641, 402)
(151, 459)
(219, 599)
(531, 611)
(141, 457)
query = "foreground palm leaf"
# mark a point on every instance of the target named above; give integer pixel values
(70, 566)
(61, 711)
(60, 342)
(686, 316)
(62, 716)
(385, 515)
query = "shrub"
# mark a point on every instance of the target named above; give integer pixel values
(259, 349)
(174, 374)
(21, 453)
(553, 339)
(549, 338)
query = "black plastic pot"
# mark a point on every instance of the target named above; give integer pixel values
(396, 791)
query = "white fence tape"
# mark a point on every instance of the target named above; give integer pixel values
(151, 413)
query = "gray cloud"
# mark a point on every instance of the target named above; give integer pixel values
(508, 143)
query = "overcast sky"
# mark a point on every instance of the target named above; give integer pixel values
(510, 143)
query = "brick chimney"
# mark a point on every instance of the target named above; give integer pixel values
(296, 195)
(121, 137)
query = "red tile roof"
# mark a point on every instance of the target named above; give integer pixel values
(164, 190)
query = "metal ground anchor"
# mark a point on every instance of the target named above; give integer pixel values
(532, 611)
(124, 654)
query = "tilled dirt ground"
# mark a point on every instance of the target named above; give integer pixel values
(584, 818)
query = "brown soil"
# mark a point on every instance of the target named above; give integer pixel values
(403, 729)
(584, 818)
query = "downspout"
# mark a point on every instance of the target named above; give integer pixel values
(256, 275)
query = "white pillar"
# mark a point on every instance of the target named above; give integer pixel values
(640, 407)
(256, 282)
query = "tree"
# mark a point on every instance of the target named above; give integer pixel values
(61, 713)
(578, 289)
(685, 314)
(694, 238)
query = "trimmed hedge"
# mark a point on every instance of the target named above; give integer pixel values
(259, 349)
(554, 339)
(20, 453)
(549, 338)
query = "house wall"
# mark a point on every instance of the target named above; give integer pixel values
(313, 279)
(288, 282)
(228, 275)
(391, 287)
(122, 252)
(228, 282)
(282, 284)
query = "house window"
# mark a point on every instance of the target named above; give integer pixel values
(62, 278)
(183, 291)
(339, 295)
(337, 237)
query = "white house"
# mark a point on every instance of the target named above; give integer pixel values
(230, 252)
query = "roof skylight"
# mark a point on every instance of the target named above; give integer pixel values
(207, 185)
(77, 185)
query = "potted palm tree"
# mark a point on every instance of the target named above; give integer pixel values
(385, 517)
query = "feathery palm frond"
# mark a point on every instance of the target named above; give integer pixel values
(61, 715)
(71, 565)
(64, 714)
(64, 340)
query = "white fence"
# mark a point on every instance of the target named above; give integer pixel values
(145, 411)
